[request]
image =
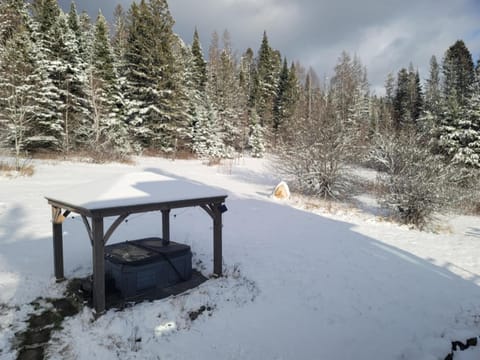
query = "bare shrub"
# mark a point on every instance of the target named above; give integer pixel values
(314, 155)
(22, 167)
(465, 190)
(414, 181)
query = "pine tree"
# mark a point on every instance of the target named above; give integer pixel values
(105, 134)
(152, 89)
(12, 16)
(206, 141)
(17, 82)
(64, 65)
(46, 130)
(200, 65)
(73, 20)
(433, 90)
(224, 89)
(204, 129)
(402, 114)
(280, 98)
(119, 40)
(247, 75)
(416, 95)
(45, 12)
(285, 100)
(458, 72)
(256, 141)
(266, 82)
(457, 134)
(180, 99)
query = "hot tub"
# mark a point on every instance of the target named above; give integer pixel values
(140, 266)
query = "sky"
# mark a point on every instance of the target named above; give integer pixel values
(386, 34)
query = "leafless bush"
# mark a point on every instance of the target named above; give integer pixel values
(314, 156)
(21, 167)
(415, 182)
(465, 190)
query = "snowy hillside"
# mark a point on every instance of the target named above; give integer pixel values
(300, 283)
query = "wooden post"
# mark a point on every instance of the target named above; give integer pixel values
(98, 266)
(217, 240)
(57, 243)
(165, 227)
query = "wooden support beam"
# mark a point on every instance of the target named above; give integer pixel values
(217, 239)
(165, 227)
(114, 226)
(89, 229)
(57, 244)
(98, 266)
(208, 210)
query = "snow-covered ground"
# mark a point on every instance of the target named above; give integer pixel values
(301, 282)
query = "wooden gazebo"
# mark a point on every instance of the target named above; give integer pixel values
(131, 194)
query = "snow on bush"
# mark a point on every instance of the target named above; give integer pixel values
(414, 181)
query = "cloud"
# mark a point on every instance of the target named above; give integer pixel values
(385, 34)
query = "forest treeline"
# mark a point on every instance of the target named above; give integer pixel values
(70, 84)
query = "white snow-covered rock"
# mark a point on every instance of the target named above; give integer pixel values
(281, 192)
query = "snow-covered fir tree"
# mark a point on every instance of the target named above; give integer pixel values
(206, 140)
(153, 91)
(256, 140)
(105, 131)
(17, 81)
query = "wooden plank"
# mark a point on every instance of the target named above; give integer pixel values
(98, 266)
(165, 227)
(57, 245)
(133, 209)
(139, 208)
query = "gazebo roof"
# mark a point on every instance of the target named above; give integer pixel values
(132, 189)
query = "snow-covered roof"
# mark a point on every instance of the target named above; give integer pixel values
(136, 188)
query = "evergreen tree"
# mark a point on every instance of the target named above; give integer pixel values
(73, 20)
(280, 98)
(200, 65)
(245, 79)
(204, 129)
(457, 132)
(458, 73)
(180, 99)
(416, 94)
(266, 82)
(64, 65)
(433, 90)
(13, 16)
(45, 13)
(402, 114)
(285, 100)
(206, 140)
(256, 141)
(17, 85)
(106, 133)
(151, 87)
(224, 89)
(247, 76)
